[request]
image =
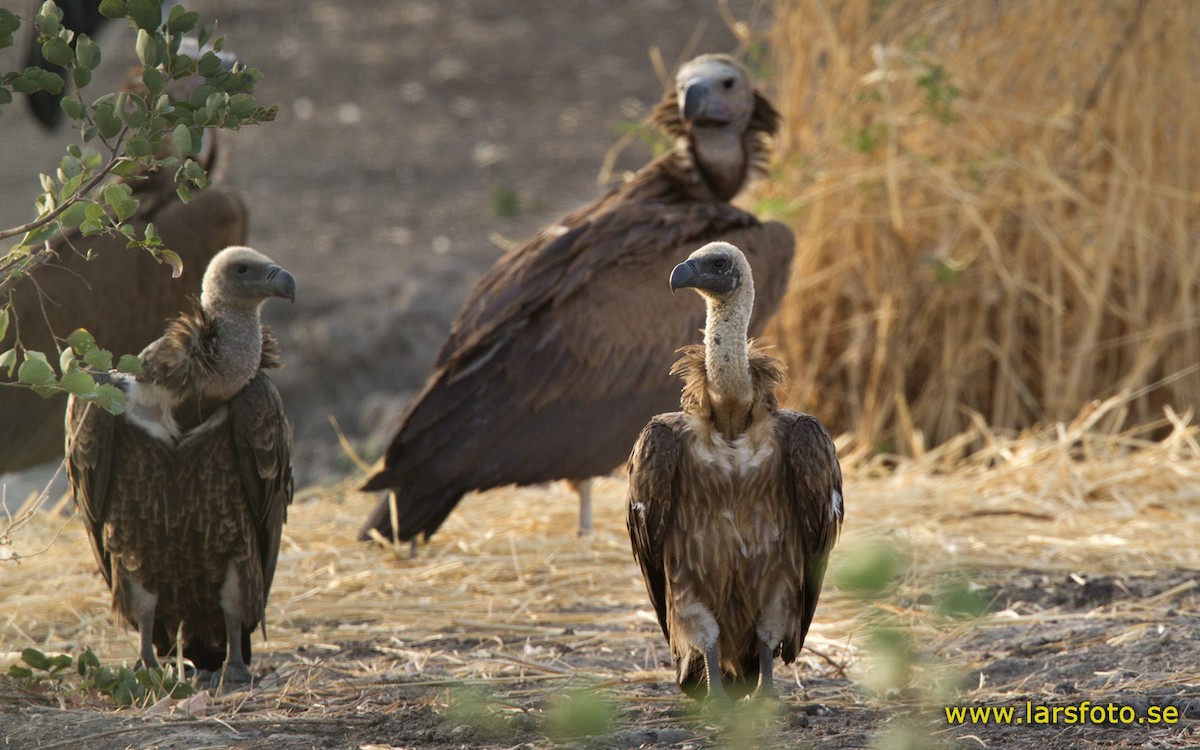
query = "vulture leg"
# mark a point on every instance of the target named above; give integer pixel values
(235, 674)
(584, 488)
(712, 676)
(144, 604)
(766, 676)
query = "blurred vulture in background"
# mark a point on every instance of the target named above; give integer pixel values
(734, 504)
(123, 297)
(184, 495)
(563, 350)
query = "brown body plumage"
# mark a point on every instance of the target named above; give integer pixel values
(560, 353)
(123, 297)
(184, 495)
(734, 503)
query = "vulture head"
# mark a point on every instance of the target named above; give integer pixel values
(239, 278)
(715, 93)
(718, 271)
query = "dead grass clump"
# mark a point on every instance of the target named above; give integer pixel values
(995, 206)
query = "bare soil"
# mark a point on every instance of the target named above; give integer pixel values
(1071, 656)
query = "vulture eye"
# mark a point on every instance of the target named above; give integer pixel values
(720, 264)
(241, 268)
(727, 83)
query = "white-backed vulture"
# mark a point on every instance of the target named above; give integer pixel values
(123, 297)
(560, 353)
(185, 494)
(734, 504)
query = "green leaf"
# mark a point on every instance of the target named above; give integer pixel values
(147, 50)
(49, 20)
(5, 94)
(151, 234)
(87, 660)
(81, 76)
(87, 52)
(107, 120)
(242, 105)
(73, 215)
(60, 661)
(8, 360)
(119, 197)
(112, 8)
(81, 341)
(138, 147)
(182, 138)
(58, 52)
(154, 80)
(34, 658)
(129, 364)
(48, 81)
(78, 382)
(210, 64)
(3, 322)
(71, 107)
(99, 358)
(182, 690)
(181, 21)
(34, 371)
(110, 398)
(70, 166)
(8, 21)
(25, 83)
(66, 359)
(184, 194)
(16, 671)
(147, 14)
(173, 260)
(184, 66)
(134, 112)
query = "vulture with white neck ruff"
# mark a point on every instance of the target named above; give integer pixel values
(562, 351)
(734, 503)
(184, 495)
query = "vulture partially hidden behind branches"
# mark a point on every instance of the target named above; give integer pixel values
(734, 504)
(184, 495)
(123, 297)
(561, 352)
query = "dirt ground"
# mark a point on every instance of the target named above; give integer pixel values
(403, 130)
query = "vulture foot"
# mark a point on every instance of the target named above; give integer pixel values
(232, 678)
(141, 664)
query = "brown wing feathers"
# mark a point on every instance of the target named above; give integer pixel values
(562, 351)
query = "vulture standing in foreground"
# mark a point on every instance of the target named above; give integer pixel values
(561, 352)
(185, 494)
(123, 297)
(734, 504)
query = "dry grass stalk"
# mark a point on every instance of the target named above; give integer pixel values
(996, 207)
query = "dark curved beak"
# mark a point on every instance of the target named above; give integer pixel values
(684, 275)
(282, 283)
(695, 98)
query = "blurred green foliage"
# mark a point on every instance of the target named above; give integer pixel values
(123, 135)
(124, 686)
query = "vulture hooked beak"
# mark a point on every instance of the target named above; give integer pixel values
(701, 105)
(282, 283)
(684, 275)
(714, 275)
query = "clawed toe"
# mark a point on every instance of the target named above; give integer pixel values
(232, 677)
